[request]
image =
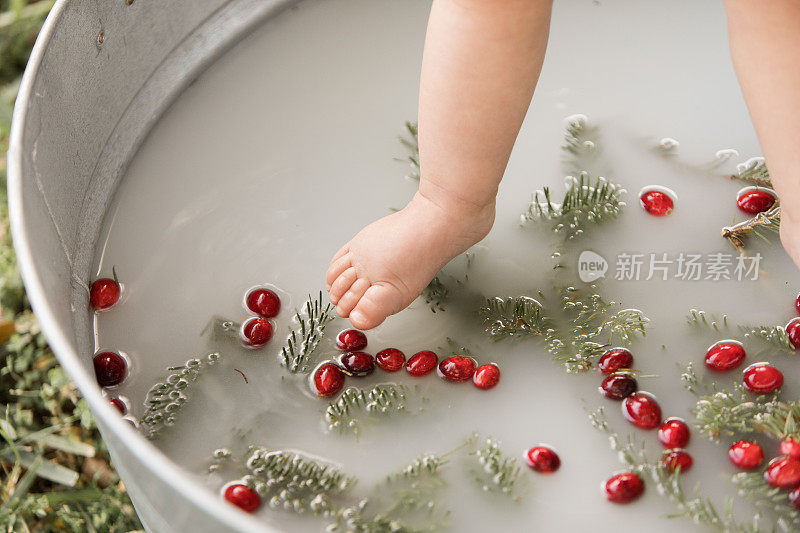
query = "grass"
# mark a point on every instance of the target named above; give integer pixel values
(55, 472)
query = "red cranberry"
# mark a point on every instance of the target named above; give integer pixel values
(457, 369)
(724, 356)
(357, 363)
(624, 488)
(328, 380)
(351, 340)
(675, 459)
(110, 368)
(421, 363)
(673, 433)
(487, 376)
(390, 359)
(618, 386)
(263, 302)
(543, 459)
(243, 497)
(762, 378)
(754, 201)
(256, 332)
(657, 203)
(642, 410)
(790, 447)
(794, 498)
(104, 293)
(746, 454)
(793, 330)
(797, 303)
(119, 404)
(783, 472)
(615, 359)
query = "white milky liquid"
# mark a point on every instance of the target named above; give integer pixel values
(286, 147)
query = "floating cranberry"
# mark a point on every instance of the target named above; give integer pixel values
(746, 454)
(794, 498)
(755, 200)
(797, 303)
(762, 378)
(657, 202)
(624, 488)
(486, 376)
(119, 404)
(104, 293)
(243, 497)
(783, 472)
(390, 359)
(724, 356)
(543, 459)
(328, 380)
(357, 363)
(618, 386)
(263, 302)
(256, 332)
(615, 359)
(673, 433)
(793, 331)
(642, 410)
(677, 459)
(351, 340)
(790, 447)
(110, 368)
(457, 369)
(422, 363)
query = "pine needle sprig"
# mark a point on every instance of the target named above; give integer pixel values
(499, 472)
(513, 317)
(586, 201)
(775, 335)
(293, 482)
(580, 142)
(773, 501)
(754, 171)
(696, 507)
(165, 399)
(436, 293)
(305, 337)
(411, 141)
(346, 412)
(763, 225)
(701, 318)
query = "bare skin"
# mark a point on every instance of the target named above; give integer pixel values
(480, 67)
(765, 46)
(481, 63)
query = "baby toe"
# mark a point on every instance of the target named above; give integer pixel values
(343, 250)
(340, 286)
(337, 267)
(378, 302)
(349, 300)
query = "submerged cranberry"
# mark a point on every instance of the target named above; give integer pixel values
(119, 404)
(457, 369)
(257, 332)
(618, 386)
(783, 472)
(677, 459)
(263, 302)
(243, 497)
(624, 488)
(793, 330)
(357, 363)
(790, 446)
(421, 363)
(543, 459)
(674, 433)
(328, 380)
(615, 359)
(351, 340)
(746, 454)
(110, 368)
(486, 376)
(642, 410)
(104, 293)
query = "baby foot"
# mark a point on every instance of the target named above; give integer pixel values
(388, 263)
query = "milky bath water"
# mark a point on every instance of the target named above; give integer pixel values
(287, 146)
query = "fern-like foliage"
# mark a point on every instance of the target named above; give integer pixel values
(696, 507)
(293, 482)
(305, 337)
(350, 411)
(771, 500)
(410, 140)
(436, 294)
(775, 335)
(498, 472)
(697, 317)
(586, 201)
(754, 171)
(513, 317)
(165, 399)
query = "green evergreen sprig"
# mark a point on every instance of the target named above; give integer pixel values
(347, 413)
(698, 317)
(165, 399)
(696, 507)
(775, 335)
(586, 201)
(753, 171)
(498, 472)
(411, 141)
(763, 225)
(771, 500)
(306, 335)
(293, 482)
(513, 317)
(436, 293)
